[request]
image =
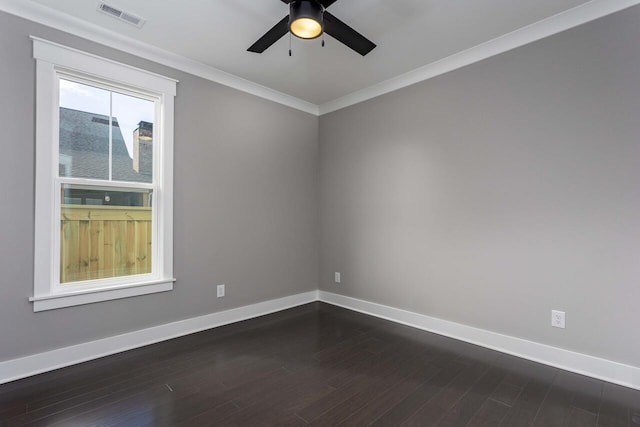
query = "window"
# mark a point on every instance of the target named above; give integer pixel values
(104, 179)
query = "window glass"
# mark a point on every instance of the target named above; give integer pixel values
(84, 131)
(104, 134)
(132, 139)
(104, 233)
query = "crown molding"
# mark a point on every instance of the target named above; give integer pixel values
(547, 27)
(61, 21)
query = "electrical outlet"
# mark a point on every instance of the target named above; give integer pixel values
(557, 319)
(337, 277)
(220, 290)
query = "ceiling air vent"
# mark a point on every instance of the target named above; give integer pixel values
(118, 13)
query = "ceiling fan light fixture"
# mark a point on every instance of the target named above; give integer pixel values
(305, 19)
(309, 19)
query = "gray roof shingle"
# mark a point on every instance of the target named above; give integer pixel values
(84, 138)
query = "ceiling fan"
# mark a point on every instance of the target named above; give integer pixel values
(308, 19)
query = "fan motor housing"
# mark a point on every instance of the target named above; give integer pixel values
(305, 19)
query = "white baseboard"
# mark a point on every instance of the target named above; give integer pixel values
(606, 370)
(23, 367)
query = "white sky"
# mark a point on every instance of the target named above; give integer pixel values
(129, 111)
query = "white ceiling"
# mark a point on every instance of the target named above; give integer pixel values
(409, 34)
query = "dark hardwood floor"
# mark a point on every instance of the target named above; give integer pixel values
(315, 365)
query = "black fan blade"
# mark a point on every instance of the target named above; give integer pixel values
(271, 36)
(346, 35)
(325, 3)
(288, 1)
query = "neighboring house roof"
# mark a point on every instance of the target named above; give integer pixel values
(84, 148)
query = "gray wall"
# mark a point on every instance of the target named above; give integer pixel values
(487, 196)
(245, 204)
(493, 194)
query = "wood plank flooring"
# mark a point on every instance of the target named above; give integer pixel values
(315, 365)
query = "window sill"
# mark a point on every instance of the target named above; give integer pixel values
(54, 301)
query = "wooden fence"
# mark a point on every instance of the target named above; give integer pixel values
(97, 242)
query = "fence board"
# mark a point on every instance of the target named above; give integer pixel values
(108, 248)
(104, 241)
(105, 213)
(84, 249)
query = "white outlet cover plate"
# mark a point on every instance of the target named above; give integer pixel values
(220, 291)
(558, 319)
(337, 277)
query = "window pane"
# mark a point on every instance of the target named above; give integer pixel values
(132, 139)
(84, 131)
(104, 233)
(87, 147)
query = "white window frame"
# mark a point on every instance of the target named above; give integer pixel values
(55, 61)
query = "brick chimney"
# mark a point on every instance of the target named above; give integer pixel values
(143, 148)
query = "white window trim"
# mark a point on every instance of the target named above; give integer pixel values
(52, 60)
